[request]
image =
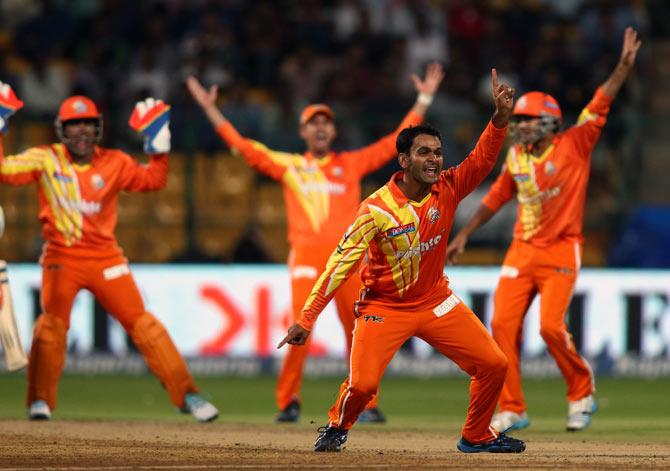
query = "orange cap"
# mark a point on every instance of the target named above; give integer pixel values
(78, 107)
(537, 104)
(312, 110)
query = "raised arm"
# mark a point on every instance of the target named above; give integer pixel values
(151, 119)
(23, 168)
(631, 44)
(259, 157)
(427, 88)
(501, 192)
(340, 266)
(207, 101)
(586, 132)
(479, 163)
(376, 155)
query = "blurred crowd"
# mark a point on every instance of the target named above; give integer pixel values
(270, 58)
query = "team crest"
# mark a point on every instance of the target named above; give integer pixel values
(549, 168)
(337, 171)
(97, 181)
(433, 214)
(79, 106)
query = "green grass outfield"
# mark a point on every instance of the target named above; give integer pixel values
(631, 410)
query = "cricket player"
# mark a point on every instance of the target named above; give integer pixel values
(400, 237)
(78, 183)
(548, 170)
(322, 191)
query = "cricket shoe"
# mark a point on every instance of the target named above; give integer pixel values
(507, 420)
(502, 444)
(39, 410)
(330, 439)
(579, 414)
(290, 413)
(372, 416)
(199, 408)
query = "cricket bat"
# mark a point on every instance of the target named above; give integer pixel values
(15, 356)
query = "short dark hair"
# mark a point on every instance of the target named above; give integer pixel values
(405, 139)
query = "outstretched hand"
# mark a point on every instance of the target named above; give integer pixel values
(434, 76)
(503, 97)
(205, 98)
(296, 336)
(151, 118)
(630, 47)
(9, 104)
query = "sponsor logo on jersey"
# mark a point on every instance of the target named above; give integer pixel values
(63, 177)
(373, 318)
(539, 197)
(433, 214)
(89, 207)
(399, 230)
(521, 177)
(422, 247)
(324, 187)
(97, 181)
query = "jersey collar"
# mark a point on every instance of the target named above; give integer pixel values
(400, 197)
(322, 162)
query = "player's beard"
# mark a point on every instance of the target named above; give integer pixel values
(527, 137)
(80, 147)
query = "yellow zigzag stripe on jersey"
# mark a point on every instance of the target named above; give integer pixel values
(527, 190)
(362, 230)
(352, 251)
(310, 187)
(586, 116)
(405, 269)
(28, 161)
(308, 184)
(62, 193)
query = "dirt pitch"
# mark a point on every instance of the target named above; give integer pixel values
(109, 445)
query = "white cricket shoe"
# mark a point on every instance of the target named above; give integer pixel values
(507, 420)
(579, 413)
(39, 410)
(202, 410)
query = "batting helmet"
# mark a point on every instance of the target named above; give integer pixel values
(76, 108)
(539, 105)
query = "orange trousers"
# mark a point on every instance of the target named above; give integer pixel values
(305, 266)
(550, 272)
(456, 333)
(110, 281)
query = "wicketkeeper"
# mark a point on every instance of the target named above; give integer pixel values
(78, 183)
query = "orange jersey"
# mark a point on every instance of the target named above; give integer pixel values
(321, 195)
(78, 202)
(405, 241)
(551, 188)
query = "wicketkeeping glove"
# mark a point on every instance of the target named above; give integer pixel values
(151, 118)
(9, 104)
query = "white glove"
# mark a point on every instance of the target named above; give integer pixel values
(9, 104)
(151, 118)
